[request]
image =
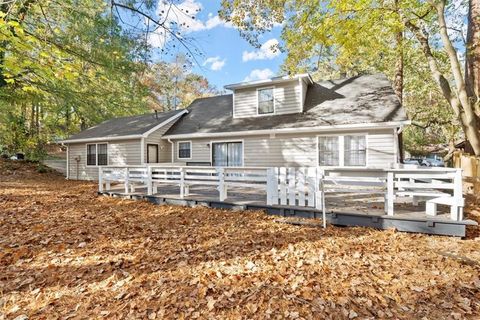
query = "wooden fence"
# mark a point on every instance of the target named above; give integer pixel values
(470, 166)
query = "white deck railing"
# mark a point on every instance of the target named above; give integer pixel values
(303, 187)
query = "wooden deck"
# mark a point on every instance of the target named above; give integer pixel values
(343, 210)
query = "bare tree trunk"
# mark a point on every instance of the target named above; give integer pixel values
(32, 122)
(472, 61)
(398, 84)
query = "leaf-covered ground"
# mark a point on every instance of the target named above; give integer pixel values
(66, 253)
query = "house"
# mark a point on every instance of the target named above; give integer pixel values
(284, 121)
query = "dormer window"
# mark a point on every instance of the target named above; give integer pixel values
(266, 104)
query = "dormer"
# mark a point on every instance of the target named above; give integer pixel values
(275, 96)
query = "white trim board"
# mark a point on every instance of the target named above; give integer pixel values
(319, 129)
(274, 80)
(178, 149)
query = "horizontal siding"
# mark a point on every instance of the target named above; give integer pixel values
(381, 146)
(164, 147)
(287, 100)
(121, 152)
(294, 149)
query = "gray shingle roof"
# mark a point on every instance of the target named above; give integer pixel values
(125, 126)
(357, 100)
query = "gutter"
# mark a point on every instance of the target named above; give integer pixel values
(382, 125)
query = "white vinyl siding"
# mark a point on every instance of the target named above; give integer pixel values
(120, 152)
(164, 147)
(294, 149)
(287, 99)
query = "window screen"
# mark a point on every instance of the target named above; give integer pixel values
(102, 157)
(328, 151)
(355, 151)
(91, 154)
(184, 150)
(265, 101)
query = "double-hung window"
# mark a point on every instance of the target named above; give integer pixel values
(266, 105)
(355, 150)
(348, 150)
(328, 151)
(97, 154)
(184, 150)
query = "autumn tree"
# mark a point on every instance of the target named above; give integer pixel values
(66, 65)
(172, 85)
(362, 36)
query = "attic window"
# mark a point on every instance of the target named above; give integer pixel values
(266, 104)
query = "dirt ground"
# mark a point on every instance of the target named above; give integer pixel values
(66, 253)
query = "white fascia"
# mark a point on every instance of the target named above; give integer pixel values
(346, 127)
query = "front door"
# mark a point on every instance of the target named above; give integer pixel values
(152, 153)
(227, 154)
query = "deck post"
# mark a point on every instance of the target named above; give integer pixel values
(272, 186)
(100, 179)
(149, 181)
(390, 193)
(127, 172)
(456, 210)
(320, 175)
(221, 184)
(182, 182)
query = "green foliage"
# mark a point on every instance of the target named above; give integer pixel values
(349, 37)
(41, 168)
(64, 66)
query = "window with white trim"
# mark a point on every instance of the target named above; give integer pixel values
(328, 151)
(355, 150)
(265, 101)
(184, 150)
(97, 154)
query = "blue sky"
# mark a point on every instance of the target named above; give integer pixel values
(226, 57)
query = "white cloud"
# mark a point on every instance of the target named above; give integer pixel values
(158, 39)
(215, 21)
(259, 74)
(216, 64)
(267, 51)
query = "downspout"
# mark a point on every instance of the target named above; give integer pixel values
(173, 149)
(142, 150)
(400, 143)
(68, 163)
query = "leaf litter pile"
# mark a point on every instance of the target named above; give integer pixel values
(66, 253)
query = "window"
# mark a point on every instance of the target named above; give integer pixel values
(265, 101)
(97, 154)
(184, 150)
(227, 154)
(355, 151)
(348, 150)
(328, 151)
(91, 154)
